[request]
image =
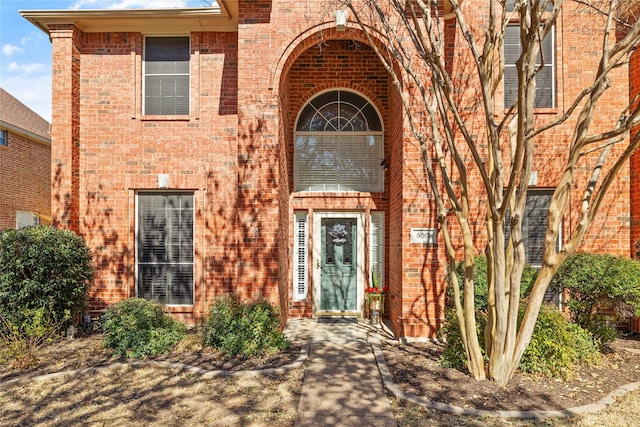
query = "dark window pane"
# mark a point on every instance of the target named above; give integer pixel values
(510, 86)
(162, 49)
(338, 111)
(544, 88)
(534, 225)
(166, 68)
(165, 247)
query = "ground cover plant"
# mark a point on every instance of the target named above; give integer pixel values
(137, 328)
(248, 329)
(23, 336)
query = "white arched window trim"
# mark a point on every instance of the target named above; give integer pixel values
(338, 144)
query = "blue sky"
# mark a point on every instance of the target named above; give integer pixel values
(25, 51)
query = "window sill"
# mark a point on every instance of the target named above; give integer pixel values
(541, 111)
(159, 118)
(341, 194)
(179, 308)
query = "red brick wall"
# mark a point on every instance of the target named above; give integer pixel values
(610, 231)
(120, 152)
(235, 153)
(25, 174)
(312, 68)
(634, 89)
(65, 131)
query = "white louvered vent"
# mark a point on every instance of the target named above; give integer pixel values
(377, 249)
(300, 257)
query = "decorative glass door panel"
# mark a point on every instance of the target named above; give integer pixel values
(338, 264)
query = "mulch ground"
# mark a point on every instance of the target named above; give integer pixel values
(416, 370)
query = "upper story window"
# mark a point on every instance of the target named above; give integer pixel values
(3, 137)
(166, 75)
(339, 145)
(545, 78)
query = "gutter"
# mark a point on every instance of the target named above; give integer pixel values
(33, 136)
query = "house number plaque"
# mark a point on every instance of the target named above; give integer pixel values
(423, 235)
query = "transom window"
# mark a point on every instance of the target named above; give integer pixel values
(339, 145)
(166, 75)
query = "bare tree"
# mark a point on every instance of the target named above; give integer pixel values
(410, 38)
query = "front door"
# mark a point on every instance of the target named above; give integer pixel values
(338, 262)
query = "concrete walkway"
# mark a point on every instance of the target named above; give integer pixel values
(342, 384)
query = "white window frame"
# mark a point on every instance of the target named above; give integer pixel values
(335, 186)
(549, 62)
(4, 138)
(145, 74)
(137, 240)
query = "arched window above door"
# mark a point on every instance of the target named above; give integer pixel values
(339, 144)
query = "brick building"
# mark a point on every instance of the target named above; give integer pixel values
(25, 165)
(256, 147)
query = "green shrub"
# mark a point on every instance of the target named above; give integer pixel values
(556, 346)
(23, 334)
(43, 268)
(137, 328)
(249, 330)
(454, 355)
(529, 275)
(600, 287)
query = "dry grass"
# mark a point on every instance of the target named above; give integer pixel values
(153, 396)
(624, 413)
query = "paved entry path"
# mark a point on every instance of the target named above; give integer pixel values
(342, 384)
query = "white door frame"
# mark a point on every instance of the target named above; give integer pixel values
(317, 254)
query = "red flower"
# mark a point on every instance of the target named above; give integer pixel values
(372, 290)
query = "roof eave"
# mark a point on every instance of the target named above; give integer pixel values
(140, 20)
(28, 134)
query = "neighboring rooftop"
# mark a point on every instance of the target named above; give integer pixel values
(18, 118)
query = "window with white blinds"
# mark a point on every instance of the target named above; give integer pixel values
(164, 250)
(300, 255)
(339, 145)
(377, 249)
(545, 78)
(534, 229)
(166, 75)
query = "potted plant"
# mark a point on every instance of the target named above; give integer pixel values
(374, 302)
